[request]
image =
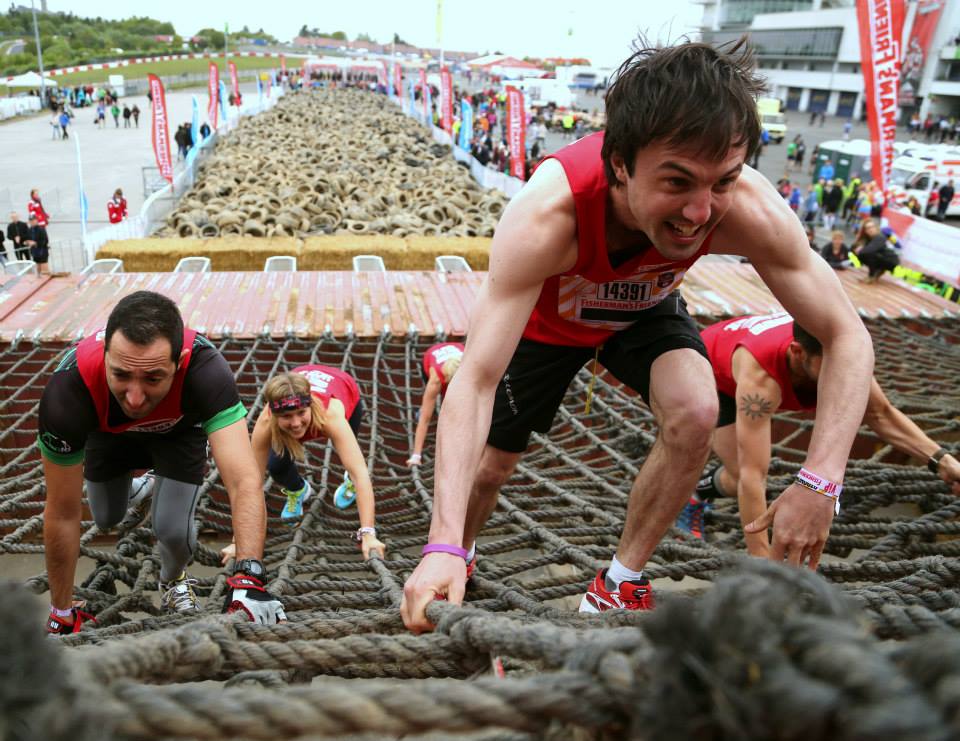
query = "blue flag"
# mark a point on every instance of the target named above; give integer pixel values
(223, 101)
(195, 122)
(84, 204)
(466, 124)
(411, 91)
(194, 133)
(259, 88)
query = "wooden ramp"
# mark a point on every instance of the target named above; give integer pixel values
(64, 308)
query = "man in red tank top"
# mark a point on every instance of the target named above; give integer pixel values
(586, 259)
(763, 364)
(147, 392)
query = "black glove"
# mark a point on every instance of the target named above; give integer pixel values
(247, 594)
(58, 626)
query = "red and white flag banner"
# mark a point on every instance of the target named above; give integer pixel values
(516, 131)
(283, 65)
(881, 28)
(446, 100)
(161, 128)
(424, 95)
(398, 79)
(915, 55)
(234, 82)
(213, 93)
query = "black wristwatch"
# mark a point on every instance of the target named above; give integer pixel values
(250, 567)
(933, 463)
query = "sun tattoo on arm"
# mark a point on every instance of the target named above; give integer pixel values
(755, 406)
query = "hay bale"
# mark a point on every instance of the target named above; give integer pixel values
(154, 255)
(421, 251)
(161, 255)
(248, 253)
(336, 251)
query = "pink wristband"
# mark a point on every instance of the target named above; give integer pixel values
(444, 548)
(820, 485)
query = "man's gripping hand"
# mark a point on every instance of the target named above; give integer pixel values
(246, 594)
(438, 576)
(801, 522)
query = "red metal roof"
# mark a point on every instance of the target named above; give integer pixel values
(308, 304)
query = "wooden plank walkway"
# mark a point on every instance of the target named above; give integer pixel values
(310, 304)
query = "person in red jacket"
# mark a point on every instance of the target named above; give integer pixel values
(35, 208)
(585, 263)
(117, 207)
(767, 363)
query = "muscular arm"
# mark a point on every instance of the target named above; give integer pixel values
(758, 397)
(260, 440)
(534, 240)
(243, 480)
(761, 227)
(897, 429)
(427, 405)
(61, 529)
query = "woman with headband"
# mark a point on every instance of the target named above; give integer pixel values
(309, 403)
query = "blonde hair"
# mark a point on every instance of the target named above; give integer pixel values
(449, 369)
(280, 387)
(837, 233)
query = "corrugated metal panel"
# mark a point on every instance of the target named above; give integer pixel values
(305, 304)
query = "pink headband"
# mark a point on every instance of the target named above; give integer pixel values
(291, 403)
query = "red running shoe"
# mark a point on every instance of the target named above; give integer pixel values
(632, 595)
(471, 566)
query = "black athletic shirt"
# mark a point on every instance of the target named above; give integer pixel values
(68, 415)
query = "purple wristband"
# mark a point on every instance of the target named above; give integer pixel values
(444, 548)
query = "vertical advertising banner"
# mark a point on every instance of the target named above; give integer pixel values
(424, 96)
(915, 55)
(466, 123)
(234, 82)
(283, 65)
(398, 80)
(446, 100)
(213, 91)
(516, 125)
(161, 129)
(880, 24)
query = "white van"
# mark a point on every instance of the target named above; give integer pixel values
(541, 91)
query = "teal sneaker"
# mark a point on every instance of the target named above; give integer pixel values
(346, 493)
(293, 510)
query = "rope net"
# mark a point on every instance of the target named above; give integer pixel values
(765, 651)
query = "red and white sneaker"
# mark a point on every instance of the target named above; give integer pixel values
(471, 566)
(632, 595)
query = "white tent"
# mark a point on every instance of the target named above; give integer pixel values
(28, 79)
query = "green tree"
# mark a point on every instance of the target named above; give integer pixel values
(397, 40)
(215, 39)
(365, 37)
(338, 35)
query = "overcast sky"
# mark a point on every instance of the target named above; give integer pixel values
(601, 31)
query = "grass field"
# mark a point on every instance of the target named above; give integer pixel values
(171, 68)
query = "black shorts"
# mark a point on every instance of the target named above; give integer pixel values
(356, 418)
(728, 410)
(535, 382)
(181, 455)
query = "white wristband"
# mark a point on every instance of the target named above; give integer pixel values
(415, 458)
(820, 485)
(366, 531)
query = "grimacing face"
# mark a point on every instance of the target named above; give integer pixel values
(139, 376)
(676, 196)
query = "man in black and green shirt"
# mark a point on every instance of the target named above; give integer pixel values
(147, 392)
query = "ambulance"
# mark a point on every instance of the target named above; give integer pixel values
(923, 172)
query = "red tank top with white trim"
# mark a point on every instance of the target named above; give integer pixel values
(766, 338)
(330, 383)
(589, 303)
(437, 355)
(93, 371)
